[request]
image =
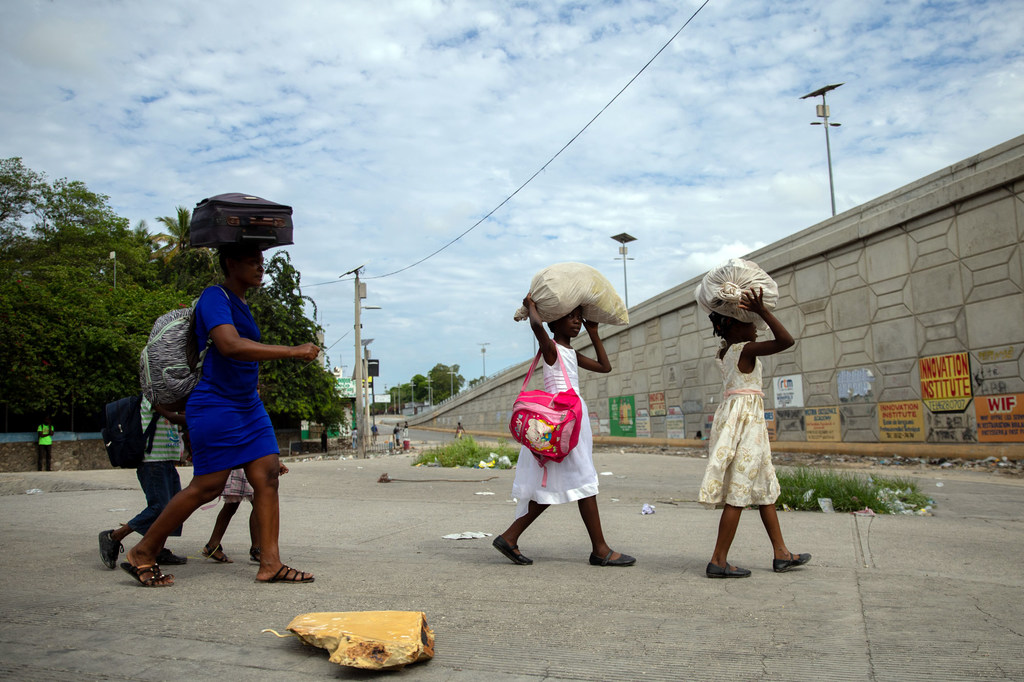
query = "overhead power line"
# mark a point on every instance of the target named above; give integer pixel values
(546, 163)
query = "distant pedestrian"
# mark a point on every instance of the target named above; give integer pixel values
(395, 434)
(459, 431)
(574, 479)
(355, 438)
(739, 471)
(323, 439)
(373, 434)
(44, 442)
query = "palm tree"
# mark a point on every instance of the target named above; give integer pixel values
(175, 239)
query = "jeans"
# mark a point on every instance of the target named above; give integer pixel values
(160, 482)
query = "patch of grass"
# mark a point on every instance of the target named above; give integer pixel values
(802, 486)
(466, 452)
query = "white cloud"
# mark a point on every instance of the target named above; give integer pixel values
(392, 127)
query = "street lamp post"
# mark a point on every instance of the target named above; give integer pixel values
(822, 111)
(451, 382)
(624, 239)
(483, 356)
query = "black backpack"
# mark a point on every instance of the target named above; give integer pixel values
(122, 432)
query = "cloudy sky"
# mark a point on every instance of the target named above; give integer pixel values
(394, 127)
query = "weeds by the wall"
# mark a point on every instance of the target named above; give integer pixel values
(802, 487)
(466, 452)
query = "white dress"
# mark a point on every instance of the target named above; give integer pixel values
(575, 477)
(740, 470)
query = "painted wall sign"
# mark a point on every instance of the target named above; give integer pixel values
(901, 421)
(946, 382)
(1000, 418)
(996, 355)
(675, 423)
(622, 415)
(656, 401)
(643, 423)
(854, 384)
(773, 427)
(789, 391)
(822, 423)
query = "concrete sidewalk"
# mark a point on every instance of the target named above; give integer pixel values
(894, 597)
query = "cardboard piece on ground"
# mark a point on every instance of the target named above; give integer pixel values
(368, 639)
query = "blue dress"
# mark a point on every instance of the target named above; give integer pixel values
(227, 422)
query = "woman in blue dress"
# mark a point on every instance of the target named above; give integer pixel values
(227, 423)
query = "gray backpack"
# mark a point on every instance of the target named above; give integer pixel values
(171, 363)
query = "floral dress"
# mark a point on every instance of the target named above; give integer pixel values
(740, 471)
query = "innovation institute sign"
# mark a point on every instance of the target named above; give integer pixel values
(946, 382)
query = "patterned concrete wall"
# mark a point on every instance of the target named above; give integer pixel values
(908, 313)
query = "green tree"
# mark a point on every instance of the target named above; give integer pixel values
(292, 390)
(68, 339)
(445, 381)
(175, 238)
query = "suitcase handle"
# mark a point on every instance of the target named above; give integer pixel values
(256, 221)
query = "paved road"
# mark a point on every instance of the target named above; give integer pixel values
(893, 598)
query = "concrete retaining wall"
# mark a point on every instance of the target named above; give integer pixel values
(908, 313)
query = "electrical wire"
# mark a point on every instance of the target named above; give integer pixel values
(542, 168)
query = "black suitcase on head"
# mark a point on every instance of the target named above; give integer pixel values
(240, 219)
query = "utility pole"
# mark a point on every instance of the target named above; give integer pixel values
(357, 372)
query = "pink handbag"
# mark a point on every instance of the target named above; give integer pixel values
(548, 424)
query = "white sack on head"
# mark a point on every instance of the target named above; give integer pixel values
(722, 287)
(558, 289)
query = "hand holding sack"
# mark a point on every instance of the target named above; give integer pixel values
(722, 289)
(558, 289)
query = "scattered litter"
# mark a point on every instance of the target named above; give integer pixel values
(384, 478)
(939, 484)
(483, 493)
(647, 509)
(504, 462)
(372, 640)
(826, 505)
(607, 473)
(864, 512)
(468, 535)
(486, 465)
(786, 507)
(615, 499)
(808, 495)
(33, 491)
(118, 509)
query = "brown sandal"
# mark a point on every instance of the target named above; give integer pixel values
(154, 572)
(212, 554)
(286, 574)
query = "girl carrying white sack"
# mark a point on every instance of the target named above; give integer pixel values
(576, 287)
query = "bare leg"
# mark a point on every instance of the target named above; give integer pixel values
(220, 526)
(726, 532)
(263, 477)
(592, 520)
(200, 490)
(121, 533)
(513, 532)
(254, 535)
(770, 519)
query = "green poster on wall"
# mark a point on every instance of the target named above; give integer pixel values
(622, 416)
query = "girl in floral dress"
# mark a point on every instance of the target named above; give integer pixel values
(740, 472)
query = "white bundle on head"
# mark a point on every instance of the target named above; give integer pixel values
(722, 289)
(560, 288)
